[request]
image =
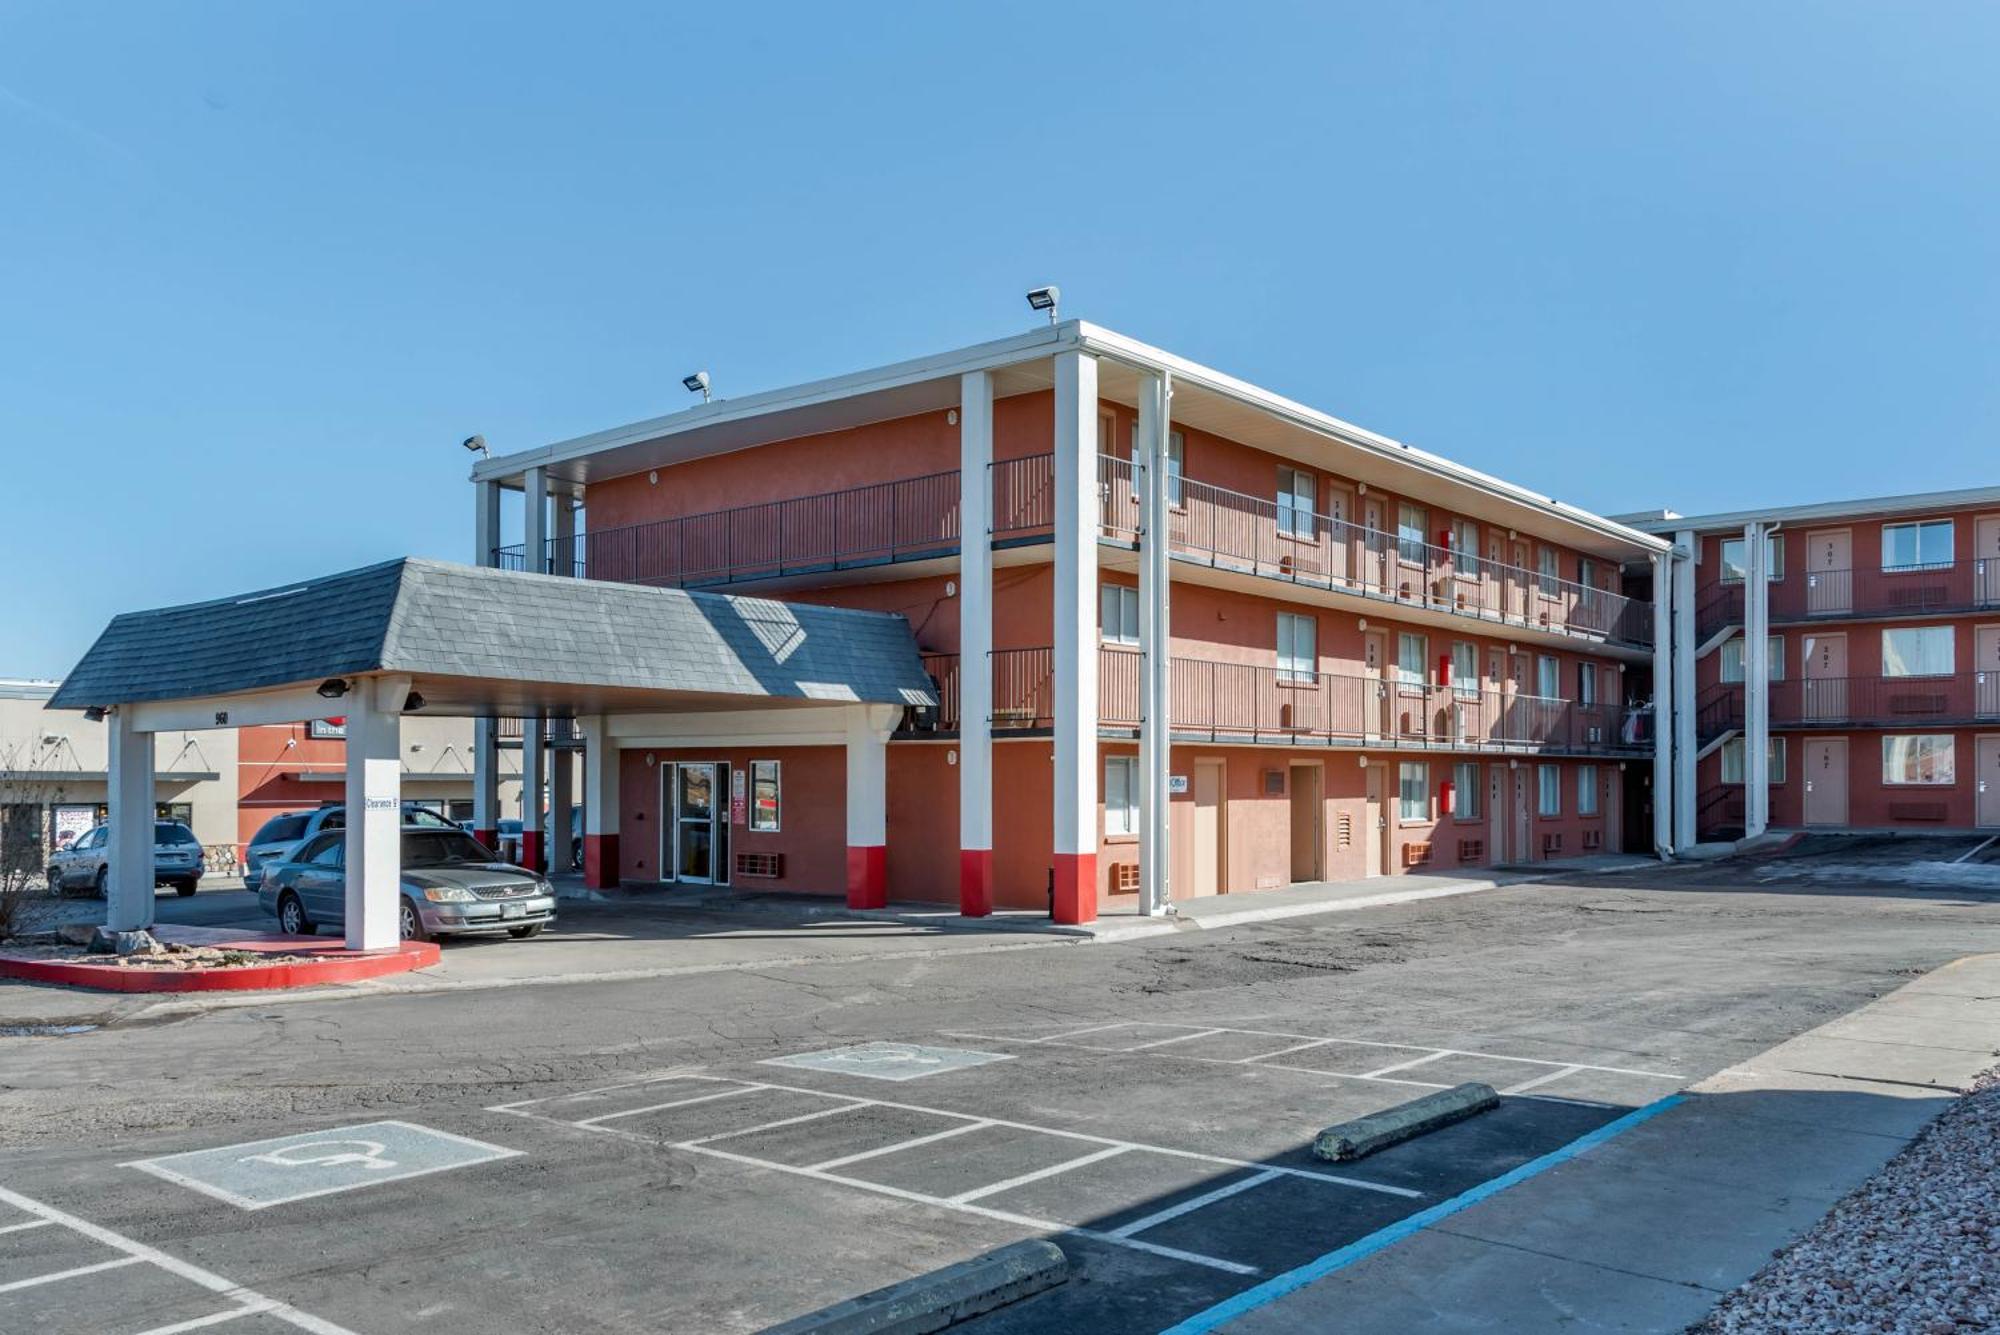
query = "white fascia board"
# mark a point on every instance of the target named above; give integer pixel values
(1967, 498)
(1106, 343)
(822, 726)
(1031, 346)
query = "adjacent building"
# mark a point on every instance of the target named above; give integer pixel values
(1187, 638)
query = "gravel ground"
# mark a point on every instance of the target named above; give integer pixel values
(1914, 1252)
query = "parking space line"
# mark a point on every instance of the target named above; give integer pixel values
(1189, 1206)
(1176, 1038)
(1095, 1029)
(18, 1228)
(1381, 1071)
(995, 1188)
(1543, 1079)
(901, 1145)
(212, 1319)
(53, 1276)
(1281, 1052)
(773, 1126)
(662, 1107)
(194, 1274)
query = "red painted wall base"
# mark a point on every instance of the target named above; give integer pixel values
(600, 861)
(1076, 887)
(531, 850)
(867, 877)
(975, 882)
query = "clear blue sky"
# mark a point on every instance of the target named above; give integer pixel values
(266, 263)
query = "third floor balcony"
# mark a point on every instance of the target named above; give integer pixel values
(1855, 593)
(1959, 699)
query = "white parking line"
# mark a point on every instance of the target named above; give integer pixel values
(1381, 1071)
(901, 1145)
(995, 1188)
(18, 1228)
(212, 1319)
(773, 1126)
(662, 1107)
(54, 1275)
(1543, 1079)
(1189, 1206)
(248, 1300)
(1172, 1038)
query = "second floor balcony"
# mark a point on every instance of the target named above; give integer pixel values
(917, 519)
(1859, 592)
(1245, 703)
(1960, 699)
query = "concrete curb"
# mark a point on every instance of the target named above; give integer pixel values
(1364, 1135)
(941, 1298)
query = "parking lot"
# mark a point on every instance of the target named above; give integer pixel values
(723, 1151)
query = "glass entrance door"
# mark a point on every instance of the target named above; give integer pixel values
(694, 821)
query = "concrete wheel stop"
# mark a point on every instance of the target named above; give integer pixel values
(943, 1297)
(1363, 1136)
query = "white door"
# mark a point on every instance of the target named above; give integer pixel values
(1986, 783)
(1826, 781)
(1986, 560)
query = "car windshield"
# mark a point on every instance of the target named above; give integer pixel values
(171, 832)
(442, 848)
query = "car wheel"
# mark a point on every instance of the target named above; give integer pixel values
(184, 888)
(292, 917)
(102, 879)
(410, 923)
(523, 933)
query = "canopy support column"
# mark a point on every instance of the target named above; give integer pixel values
(868, 729)
(374, 819)
(600, 805)
(128, 886)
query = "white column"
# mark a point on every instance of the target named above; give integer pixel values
(1663, 711)
(1075, 637)
(564, 533)
(1756, 683)
(561, 760)
(485, 743)
(1685, 742)
(868, 729)
(128, 884)
(600, 804)
(534, 543)
(1156, 647)
(374, 819)
(975, 644)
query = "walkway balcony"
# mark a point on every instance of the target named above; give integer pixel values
(1962, 699)
(1245, 704)
(917, 519)
(1858, 594)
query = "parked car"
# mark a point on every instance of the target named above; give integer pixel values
(451, 884)
(86, 862)
(508, 840)
(278, 836)
(575, 836)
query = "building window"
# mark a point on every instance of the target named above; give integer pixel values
(1548, 677)
(1586, 683)
(1919, 758)
(1296, 494)
(1411, 651)
(1118, 613)
(1176, 460)
(1548, 565)
(1732, 760)
(1121, 795)
(1918, 651)
(1586, 790)
(764, 798)
(1465, 546)
(1733, 568)
(1550, 778)
(1413, 792)
(1410, 530)
(1918, 546)
(1732, 658)
(1298, 649)
(1465, 668)
(1465, 790)
(1586, 572)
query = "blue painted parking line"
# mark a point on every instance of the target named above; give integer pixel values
(262, 1173)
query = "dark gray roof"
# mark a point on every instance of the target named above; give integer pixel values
(435, 618)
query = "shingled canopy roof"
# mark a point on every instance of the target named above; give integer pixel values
(478, 641)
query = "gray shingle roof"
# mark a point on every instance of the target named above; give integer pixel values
(436, 618)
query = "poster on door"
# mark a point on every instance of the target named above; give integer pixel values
(739, 802)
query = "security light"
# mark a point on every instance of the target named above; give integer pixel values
(412, 703)
(95, 713)
(332, 688)
(1045, 299)
(697, 384)
(477, 444)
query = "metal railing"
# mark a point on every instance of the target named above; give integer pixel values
(1958, 586)
(1719, 608)
(1717, 712)
(1244, 702)
(1914, 702)
(558, 730)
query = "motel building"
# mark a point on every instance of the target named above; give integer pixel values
(1060, 622)
(1838, 666)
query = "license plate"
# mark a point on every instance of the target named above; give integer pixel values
(513, 910)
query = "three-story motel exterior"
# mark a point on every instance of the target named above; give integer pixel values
(1189, 638)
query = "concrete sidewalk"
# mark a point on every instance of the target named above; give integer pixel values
(1646, 1231)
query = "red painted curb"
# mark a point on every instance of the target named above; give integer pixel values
(335, 966)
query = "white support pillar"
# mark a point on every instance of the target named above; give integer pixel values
(534, 545)
(975, 644)
(485, 740)
(868, 729)
(562, 560)
(562, 796)
(1686, 745)
(128, 884)
(1075, 638)
(1756, 683)
(1663, 713)
(1156, 646)
(374, 820)
(600, 804)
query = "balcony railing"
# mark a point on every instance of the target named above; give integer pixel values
(1719, 608)
(1717, 712)
(1243, 702)
(1960, 586)
(1912, 702)
(919, 517)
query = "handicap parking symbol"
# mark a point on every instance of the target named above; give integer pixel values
(262, 1173)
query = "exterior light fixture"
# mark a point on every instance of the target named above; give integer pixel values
(332, 688)
(477, 444)
(1045, 299)
(95, 713)
(412, 703)
(697, 384)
